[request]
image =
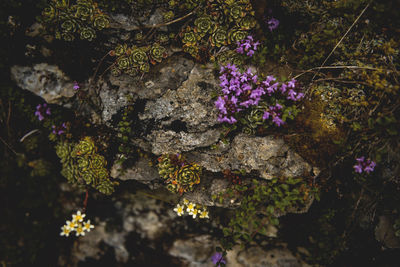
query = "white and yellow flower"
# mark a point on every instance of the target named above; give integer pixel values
(190, 207)
(78, 217)
(71, 225)
(87, 226)
(204, 214)
(185, 201)
(79, 231)
(65, 231)
(179, 210)
(194, 213)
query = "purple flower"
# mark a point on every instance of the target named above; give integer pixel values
(76, 86)
(247, 46)
(266, 115)
(278, 121)
(59, 130)
(217, 258)
(250, 53)
(41, 110)
(273, 23)
(361, 159)
(358, 168)
(292, 83)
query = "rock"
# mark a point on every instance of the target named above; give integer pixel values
(196, 250)
(46, 81)
(258, 257)
(269, 156)
(385, 234)
(141, 172)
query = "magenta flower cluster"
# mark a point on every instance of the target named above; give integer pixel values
(364, 165)
(217, 259)
(76, 86)
(247, 45)
(243, 90)
(59, 130)
(272, 23)
(41, 111)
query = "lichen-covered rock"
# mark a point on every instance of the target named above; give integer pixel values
(269, 156)
(44, 80)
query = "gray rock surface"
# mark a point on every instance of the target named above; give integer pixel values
(269, 156)
(44, 80)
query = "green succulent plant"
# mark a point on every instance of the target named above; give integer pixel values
(68, 21)
(123, 62)
(247, 23)
(120, 49)
(138, 57)
(203, 25)
(82, 165)
(189, 38)
(219, 37)
(180, 175)
(235, 35)
(157, 52)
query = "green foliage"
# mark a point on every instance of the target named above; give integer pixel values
(68, 21)
(83, 165)
(179, 174)
(260, 205)
(135, 60)
(219, 23)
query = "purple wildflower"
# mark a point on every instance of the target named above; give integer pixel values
(42, 110)
(76, 86)
(59, 130)
(273, 23)
(364, 165)
(247, 46)
(217, 258)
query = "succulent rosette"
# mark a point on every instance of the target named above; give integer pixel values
(123, 62)
(97, 161)
(192, 50)
(83, 163)
(236, 34)
(203, 25)
(138, 57)
(168, 16)
(219, 37)
(166, 166)
(115, 71)
(120, 49)
(187, 176)
(49, 13)
(85, 147)
(247, 23)
(89, 176)
(69, 25)
(189, 37)
(87, 34)
(145, 67)
(157, 52)
(236, 11)
(101, 21)
(64, 152)
(84, 9)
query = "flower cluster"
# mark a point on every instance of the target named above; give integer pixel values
(364, 165)
(41, 111)
(244, 90)
(247, 45)
(272, 23)
(59, 130)
(76, 225)
(76, 86)
(217, 259)
(192, 209)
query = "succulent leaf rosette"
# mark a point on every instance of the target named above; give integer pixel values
(101, 21)
(219, 37)
(236, 34)
(203, 25)
(247, 23)
(179, 175)
(157, 53)
(123, 62)
(68, 21)
(138, 56)
(120, 49)
(189, 37)
(82, 165)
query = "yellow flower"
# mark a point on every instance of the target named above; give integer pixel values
(194, 213)
(78, 217)
(179, 210)
(65, 231)
(71, 225)
(185, 201)
(79, 231)
(190, 207)
(204, 214)
(87, 226)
